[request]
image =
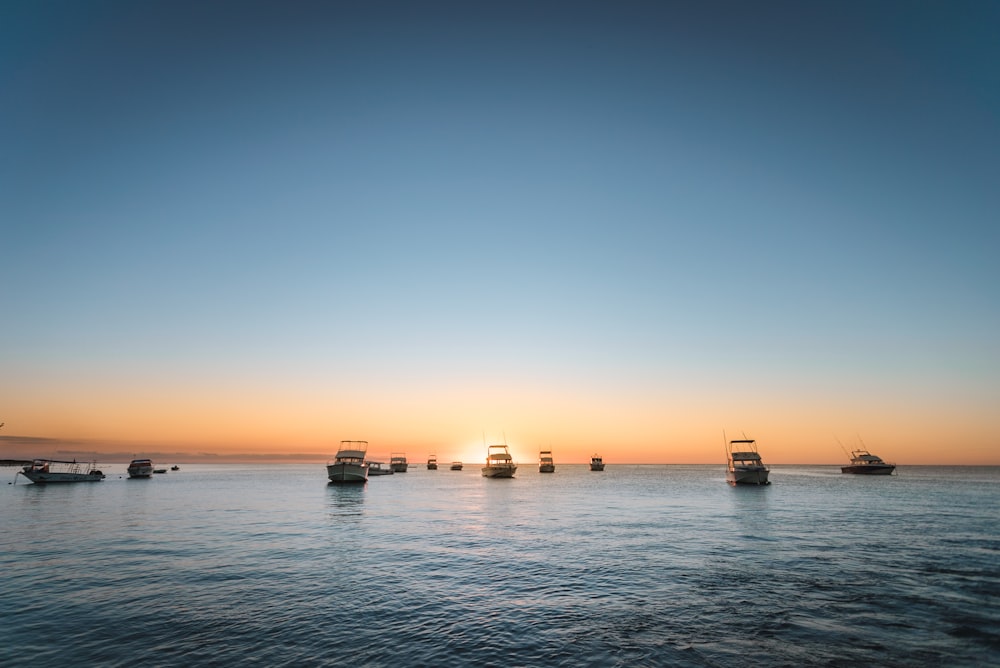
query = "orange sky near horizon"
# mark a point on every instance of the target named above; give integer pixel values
(639, 427)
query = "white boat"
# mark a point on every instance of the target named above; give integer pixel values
(865, 463)
(432, 463)
(545, 463)
(744, 465)
(499, 463)
(397, 462)
(349, 464)
(378, 468)
(44, 471)
(140, 468)
(456, 466)
(596, 463)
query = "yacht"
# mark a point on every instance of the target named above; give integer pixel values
(596, 463)
(349, 463)
(140, 468)
(43, 471)
(865, 463)
(744, 465)
(397, 462)
(456, 466)
(498, 462)
(545, 463)
(432, 463)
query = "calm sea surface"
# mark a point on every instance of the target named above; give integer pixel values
(635, 566)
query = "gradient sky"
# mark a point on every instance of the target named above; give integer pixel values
(621, 227)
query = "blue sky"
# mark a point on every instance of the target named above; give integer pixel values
(658, 200)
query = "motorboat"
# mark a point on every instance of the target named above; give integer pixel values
(379, 468)
(432, 463)
(545, 463)
(349, 463)
(744, 465)
(159, 470)
(456, 466)
(397, 462)
(175, 467)
(43, 471)
(499, 463)
(865, 463)
(596, 463)
(140, 468)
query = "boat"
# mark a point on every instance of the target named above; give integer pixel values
(865, 463)
(349, 463)
(456, 466)
(545, 463)
(397, 462)
(378, 468)
(44, 471)
(175, 467)
(596, 463)
(743, 463)
(432, 463)
(140, 468)
(498, 462)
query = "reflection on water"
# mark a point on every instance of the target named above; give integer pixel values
(637, 565)
(346, 500)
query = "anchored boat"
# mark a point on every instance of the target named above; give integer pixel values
(43, 471)
(499, 463)
(545, 462)
(596, 463)
(865, 463)
(349, 463)
(397, 462)
(140, 468)
(744, 465)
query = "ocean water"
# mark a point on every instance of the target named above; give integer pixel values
(220, 565)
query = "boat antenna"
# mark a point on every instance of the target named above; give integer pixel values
(842, 446)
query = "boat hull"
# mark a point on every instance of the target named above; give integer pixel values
(747, 477)
(47, 478)
(499, 471)
(597, 467)
(869, 469)
(347, 473)
(547, 468)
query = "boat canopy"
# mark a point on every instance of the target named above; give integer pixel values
(746, 455)
(351, 454)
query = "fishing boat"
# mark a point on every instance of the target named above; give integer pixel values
(865, 463)
(499, 463)
(379, 468)
(44, 471)
(349, 464)
(397, 462)
(545, 463)
(456, 466)
(743, 463)
(596, 463)
(140, 468)
(432, 463)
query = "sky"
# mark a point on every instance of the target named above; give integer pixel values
(633, 228)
